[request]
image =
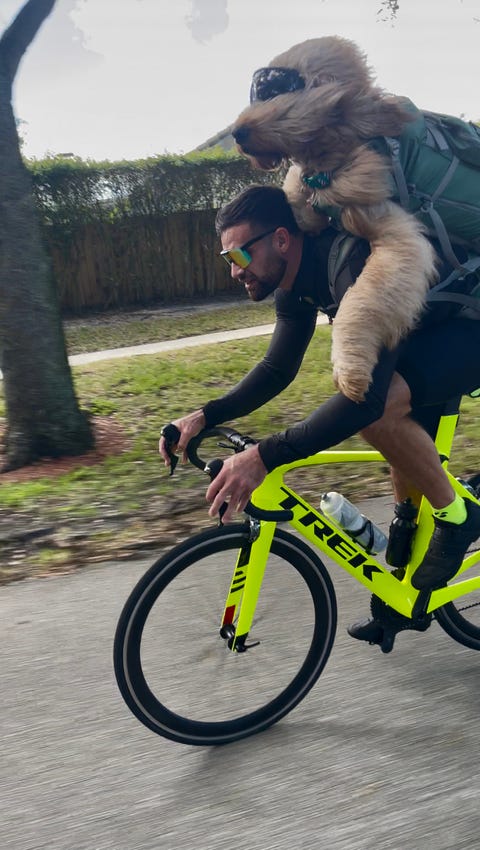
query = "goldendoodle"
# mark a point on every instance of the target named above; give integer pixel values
(316, 107)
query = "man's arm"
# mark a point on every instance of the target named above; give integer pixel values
(294, 328)
(335, 420)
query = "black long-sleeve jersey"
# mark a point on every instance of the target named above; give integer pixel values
(296, 314)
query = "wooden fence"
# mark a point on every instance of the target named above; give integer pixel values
(137, 261)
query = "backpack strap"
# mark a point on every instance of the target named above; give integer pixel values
(393, 145)
(427, 206)
(437, 292)
(435, 137)
(337, 262)
(440, 229)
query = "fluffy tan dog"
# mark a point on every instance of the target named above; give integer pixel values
(316, 107)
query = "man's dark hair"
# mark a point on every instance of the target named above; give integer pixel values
(264, 206)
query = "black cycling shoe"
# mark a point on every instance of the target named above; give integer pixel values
(446, 549)
(370, 630)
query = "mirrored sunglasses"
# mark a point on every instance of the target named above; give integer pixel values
(270, 82)
(240, 256)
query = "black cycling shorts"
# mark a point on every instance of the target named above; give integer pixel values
(440, 362)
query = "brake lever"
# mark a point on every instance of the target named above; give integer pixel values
(212, 469)
(171, 435)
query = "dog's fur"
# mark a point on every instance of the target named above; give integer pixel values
(326, 127)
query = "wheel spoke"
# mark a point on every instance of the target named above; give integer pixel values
(177, 673)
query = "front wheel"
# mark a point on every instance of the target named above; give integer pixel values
(177, 674)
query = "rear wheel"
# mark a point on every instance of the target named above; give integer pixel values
(177, 674)
(461, 618)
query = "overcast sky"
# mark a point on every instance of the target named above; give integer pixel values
(125, 79)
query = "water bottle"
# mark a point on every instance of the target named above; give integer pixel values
(337, 508)
(402, 529)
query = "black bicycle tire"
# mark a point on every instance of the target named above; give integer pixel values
(457, 626)
(127, 662)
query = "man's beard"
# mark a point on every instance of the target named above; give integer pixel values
(259, 288)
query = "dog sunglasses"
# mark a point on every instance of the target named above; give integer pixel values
(270, 82)
(240, 256)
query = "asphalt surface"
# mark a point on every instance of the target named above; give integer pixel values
(383, 754)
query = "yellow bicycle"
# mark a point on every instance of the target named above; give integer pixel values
(228, 631)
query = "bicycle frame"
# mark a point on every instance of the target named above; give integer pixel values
(323, 534)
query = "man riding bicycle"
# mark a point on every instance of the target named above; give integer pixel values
(268, 253)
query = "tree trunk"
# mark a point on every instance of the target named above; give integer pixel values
(43, 417)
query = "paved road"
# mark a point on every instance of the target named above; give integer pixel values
(382, 755)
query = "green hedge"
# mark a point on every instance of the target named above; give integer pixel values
(127, 233)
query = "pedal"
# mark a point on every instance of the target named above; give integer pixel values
(385, 640)
(388, 640)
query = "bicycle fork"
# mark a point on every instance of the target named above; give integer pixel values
(245, 586)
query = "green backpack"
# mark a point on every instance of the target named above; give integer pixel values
(436, 173)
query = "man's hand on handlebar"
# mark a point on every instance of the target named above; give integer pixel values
(189, 426)
(240, 475)
(234, 479)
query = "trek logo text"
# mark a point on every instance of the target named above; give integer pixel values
(329, 535)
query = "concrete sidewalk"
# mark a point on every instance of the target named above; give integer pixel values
(168, 345)
(173, 344)
(176, 344)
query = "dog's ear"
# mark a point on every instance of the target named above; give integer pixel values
(377, 114)
(328, 105)
(368, 113)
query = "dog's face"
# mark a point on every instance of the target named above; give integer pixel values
(299, 102)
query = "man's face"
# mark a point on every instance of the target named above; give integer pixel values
(267, 269)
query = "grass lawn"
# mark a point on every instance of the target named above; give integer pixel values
(118, 330)
(128, 502)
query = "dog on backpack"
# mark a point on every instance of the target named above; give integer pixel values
(317, 108)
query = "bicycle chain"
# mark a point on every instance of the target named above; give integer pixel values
(381, 611)
(467, 607)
